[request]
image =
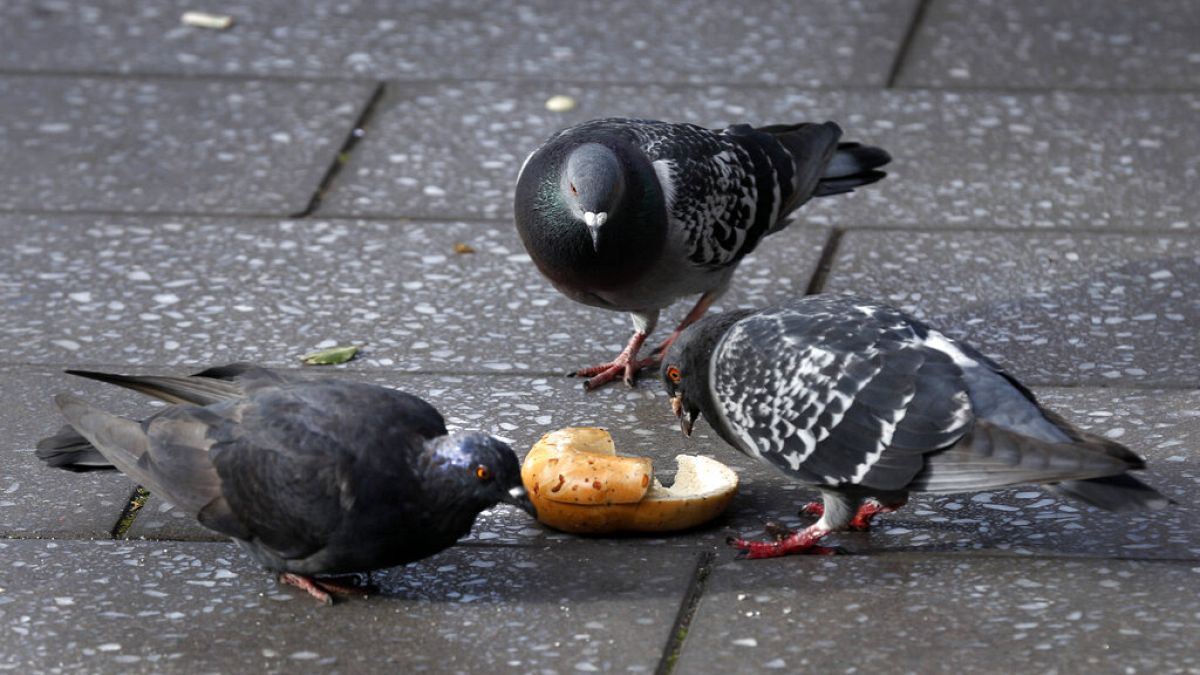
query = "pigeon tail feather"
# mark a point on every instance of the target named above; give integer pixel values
(70, 451)
(853, 165)
(122, 442)
(1120, 493)
(1088, 468)
(198, 389)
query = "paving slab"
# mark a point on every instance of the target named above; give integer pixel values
(170, 145)
(809, 43)
(1163, 426)
(916, 614)
(1063, 308)
(1080, 44)
(36, 501)
(186, 607)
(193, 291)
(961, 159)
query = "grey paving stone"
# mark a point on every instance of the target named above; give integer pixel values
(904, 614)
(193, 291)
(184, 608)
(1073, 44)
(1063, 308)
(1162, 426)
(36, 501)
(809, 43)
(219, 146)
(961, 159)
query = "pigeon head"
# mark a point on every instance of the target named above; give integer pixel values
(685, 367)
(485, 470)
(592, 184)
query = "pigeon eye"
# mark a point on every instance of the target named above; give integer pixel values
(674, 375)
(482, 473)
(573, 190)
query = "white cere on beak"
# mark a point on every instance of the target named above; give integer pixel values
(517, 492)
(593, 219)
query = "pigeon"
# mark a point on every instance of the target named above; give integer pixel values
(868, 404)
(310, 476)
(631, 215)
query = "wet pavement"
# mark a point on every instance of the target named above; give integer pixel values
(176, 197)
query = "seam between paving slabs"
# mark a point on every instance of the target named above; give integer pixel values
(357, 131)
(816, 283)
(910, 36)
(687, 610)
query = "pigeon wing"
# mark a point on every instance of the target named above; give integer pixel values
(295, 465)
(839, 393)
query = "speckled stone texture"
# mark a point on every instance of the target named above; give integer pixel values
(974, 159)
(801, 43)
(187, 608)
(1042, 204)
(163, 145)
(910, 614)
(195, 291)
(1062, 308)
(36, 501)
(1073, 44)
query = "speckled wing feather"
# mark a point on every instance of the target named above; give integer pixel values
(839, 392)
(725, 189)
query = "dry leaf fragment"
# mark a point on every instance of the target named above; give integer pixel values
(463, 248)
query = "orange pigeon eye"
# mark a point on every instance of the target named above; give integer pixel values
(482, 473)
(674, 375)
(573, 190)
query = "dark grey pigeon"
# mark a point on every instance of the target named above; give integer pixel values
(868, 405)
(311, 476)
(632, 215)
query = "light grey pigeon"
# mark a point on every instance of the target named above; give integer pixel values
(868, 405)
(631, 215)
(310, 476)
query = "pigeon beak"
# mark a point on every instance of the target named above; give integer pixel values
(686, 420)
(594, 222)
(519, 498)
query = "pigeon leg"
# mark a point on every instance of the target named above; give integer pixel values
(318, 588)
(862, 519)
(692, 317)
(804, 541)
(626, 364)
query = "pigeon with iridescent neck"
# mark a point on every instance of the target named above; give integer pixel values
(632, 215)
(310, 475)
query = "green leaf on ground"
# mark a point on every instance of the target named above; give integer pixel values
(331, 356)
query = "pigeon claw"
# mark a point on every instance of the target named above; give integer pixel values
(814, 509)
(801, 542)
(625, 366)
(321, 589)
